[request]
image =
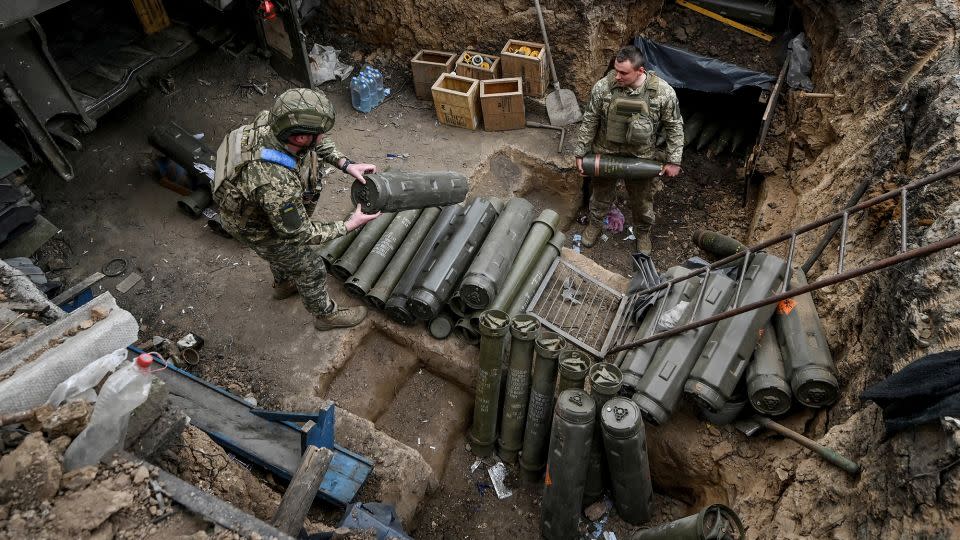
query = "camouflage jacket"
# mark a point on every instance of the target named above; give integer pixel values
(265, 202)
(664, 114)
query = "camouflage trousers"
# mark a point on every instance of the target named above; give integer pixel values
(301, 264)
(603, 193)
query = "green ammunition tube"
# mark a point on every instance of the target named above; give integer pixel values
(715, 522)
(605, 381)
(332, 250)
(494, 326)
(378, 295)
(442, 326)
(524, 330)
(767, 385)
(380, 255)
(571, 440)
(497, 254)
(395, 191)
(542, 230)
(574, 365)
(536, 431)
(625, 449)
(351, 259)
(465, 331)
(716, 244)
(531, 283)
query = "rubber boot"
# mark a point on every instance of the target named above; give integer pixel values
(340, 318)
(284, 289)
(644, 243)
(590, 235)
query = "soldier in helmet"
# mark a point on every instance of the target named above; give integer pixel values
(267, 183)
(657, 102)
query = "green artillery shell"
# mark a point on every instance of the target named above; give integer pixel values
(378, 295)
(524, 329)
(382, 252)
(497, 254)
(395, 191)
(351, 259)
(440, 277)
(725, 356)
(396, 306)
(531, 283)
(717, 244)
(625, 448)
(766, 378)
(806, 354)
(722, 143)
(540, 233)
(605, 381)
(692, 127)
(707, 134)
(628, 168)
(662, 383)
(494, 327)
(536, 431)
(570, 442)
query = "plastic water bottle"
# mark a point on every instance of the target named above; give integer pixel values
(378, 79)
(355, 96)
(577, 243)
(123, 392)
(367, 93)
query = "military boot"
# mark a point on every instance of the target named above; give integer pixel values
(284, 289)
(644, 244)
(340, 317)
(590, 235)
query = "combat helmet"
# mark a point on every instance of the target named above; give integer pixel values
(301, 111)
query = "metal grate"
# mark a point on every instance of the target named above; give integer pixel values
(577, 306)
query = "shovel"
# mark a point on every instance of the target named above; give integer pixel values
(562, 106)
(752, 425)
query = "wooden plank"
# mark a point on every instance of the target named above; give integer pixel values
(68, 294)
(729, 22)
(302, 489)
(501, 101)
(751, 164)
(427, 66)
(532, 69)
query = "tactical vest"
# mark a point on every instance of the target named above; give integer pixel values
(628, 117)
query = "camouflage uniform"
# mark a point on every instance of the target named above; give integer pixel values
(266, 197)
(664, 113)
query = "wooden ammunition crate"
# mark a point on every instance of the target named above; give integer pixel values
(466, 69)
(456, 101)
(501, 101)
(532, 69)
(427, 66)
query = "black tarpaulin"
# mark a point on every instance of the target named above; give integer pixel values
(920, 393)
(683, 69)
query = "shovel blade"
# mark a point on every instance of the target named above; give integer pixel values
(562, 108)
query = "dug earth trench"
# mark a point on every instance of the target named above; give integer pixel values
(892, 66)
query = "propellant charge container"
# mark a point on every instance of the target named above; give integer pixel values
(353, 257)
(378, 295)
(625, 449)
(717, 244)
(628, 168)
(605, 381)
(662, 383)
(441, 326)
(531, 283)
(497, 254)
(373, 265)
(728, 351)
(635, 361)
(466, 331)
(540, 233)
(536, 430)
(570, 441)
(457, 306)
(396, 306)
(731, 408)
(714, 522)
(573, 365)
(494, 327)
(524, 329)
(767, 384)
(332, 250)
(395, 191)
(806, 353)
(441, 275)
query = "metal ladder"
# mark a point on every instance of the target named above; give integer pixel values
(621, 338)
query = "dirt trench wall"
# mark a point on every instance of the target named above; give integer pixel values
(894, 66)
(584, 34)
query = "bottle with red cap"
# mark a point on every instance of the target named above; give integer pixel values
(123, 392)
